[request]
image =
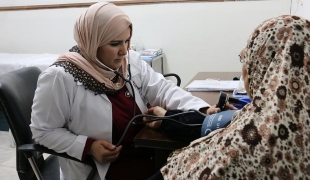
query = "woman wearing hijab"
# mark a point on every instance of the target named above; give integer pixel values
(269, 138)
(85, 100)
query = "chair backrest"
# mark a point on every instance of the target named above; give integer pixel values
(175, 75)
(17, 90)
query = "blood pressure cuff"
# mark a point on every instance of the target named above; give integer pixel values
(216, 121)
(179, 132)
(185, 133)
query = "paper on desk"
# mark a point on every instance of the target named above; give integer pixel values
(212, 85)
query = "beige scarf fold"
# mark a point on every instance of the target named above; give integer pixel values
(97, 26)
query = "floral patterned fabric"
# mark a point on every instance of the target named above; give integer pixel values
(269, 138)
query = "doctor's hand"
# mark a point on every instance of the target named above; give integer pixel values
(230, 107)
(213, 109)
(104, 151)
(210, 110)
(156, 111)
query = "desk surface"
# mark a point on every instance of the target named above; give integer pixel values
(153, 139)
(211, 97)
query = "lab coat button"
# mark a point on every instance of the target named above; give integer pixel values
(108, 108)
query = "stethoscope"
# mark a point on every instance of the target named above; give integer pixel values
(118, 73)
(127, 80)
(154, 118)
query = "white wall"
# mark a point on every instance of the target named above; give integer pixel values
(301, 8)
(194, 36)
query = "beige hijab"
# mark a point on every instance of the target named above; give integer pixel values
(97, 26)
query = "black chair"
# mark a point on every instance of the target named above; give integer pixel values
(16, 97)
(175, 75)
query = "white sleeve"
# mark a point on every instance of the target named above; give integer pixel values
(159, 91)
(50, 115)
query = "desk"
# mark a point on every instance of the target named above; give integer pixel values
(212, 97)
(150, 59)
(149, 138)
(162, 145)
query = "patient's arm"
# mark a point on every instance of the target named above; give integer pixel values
(156, 111)
(175, 130)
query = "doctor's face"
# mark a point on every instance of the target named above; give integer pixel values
(113, 53)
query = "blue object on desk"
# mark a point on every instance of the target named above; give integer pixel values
(239, 102)
(239, 95)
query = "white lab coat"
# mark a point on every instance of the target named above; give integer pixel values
(64, 114)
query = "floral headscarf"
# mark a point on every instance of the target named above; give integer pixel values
(97, 26)
(269, 138)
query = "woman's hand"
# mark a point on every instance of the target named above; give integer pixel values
(104, 151)
(230, 107)
(156, 111)
(213, 109)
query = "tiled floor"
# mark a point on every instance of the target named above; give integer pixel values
(7, 158)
